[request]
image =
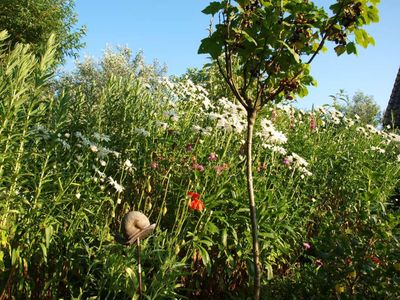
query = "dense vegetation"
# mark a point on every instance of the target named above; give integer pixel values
(77, 154)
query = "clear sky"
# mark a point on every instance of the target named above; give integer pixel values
(170, 31)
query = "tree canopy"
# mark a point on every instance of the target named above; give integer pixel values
(33, 21)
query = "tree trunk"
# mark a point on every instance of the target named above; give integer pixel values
(251, 118)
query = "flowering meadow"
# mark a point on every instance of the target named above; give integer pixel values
(80, 151)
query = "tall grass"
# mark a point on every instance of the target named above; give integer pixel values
(74, 160)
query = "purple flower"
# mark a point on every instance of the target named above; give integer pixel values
(213, 156)
(286, 161)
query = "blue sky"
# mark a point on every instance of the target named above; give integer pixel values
(170, 31)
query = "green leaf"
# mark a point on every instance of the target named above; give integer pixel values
(246, 36)
(204, 256)
(270, 272)
(212, 228)
(351, 48)
(295, 55)
(213, 8)
(49, 234)
(210, 46)
(340, 49)
(224, 238)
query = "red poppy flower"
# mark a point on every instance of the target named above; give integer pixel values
(193, 195)
(375, 260)
(196, 204)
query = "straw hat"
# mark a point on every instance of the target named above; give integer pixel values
(135, 225)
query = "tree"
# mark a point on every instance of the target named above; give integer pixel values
(33, 21)
(360, 106)
(264, 49)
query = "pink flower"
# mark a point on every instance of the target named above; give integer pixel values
(286, 161)
(197, 167)
(306, 246)
(213, 156)
(154, 165)
(219, 169)
(189, 147)
(313, 124)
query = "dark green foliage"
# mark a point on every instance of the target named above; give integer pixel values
(32, 22)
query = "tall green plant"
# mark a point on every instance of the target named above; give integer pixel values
(264, 49)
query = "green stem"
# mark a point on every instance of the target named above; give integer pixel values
(251, 118)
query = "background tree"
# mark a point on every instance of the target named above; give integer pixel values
(360, 106)
(33, 21)
(264, 48)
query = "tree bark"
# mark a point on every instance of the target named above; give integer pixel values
(251, 118)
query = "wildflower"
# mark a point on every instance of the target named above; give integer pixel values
(277, 149)
(213, 156)
(306, 246)
(219, 169)
(118, 188)
(101, 137)
(287, 161)
(162, 125)
(103, 163)
(142, 131)
(189, 147)
(195, 203)
(269, 134)
(128, 164)
(93, 148)
(154, 165)
(313, 124)
(377, 149)
(197, 167)
(67, 135)
(78, 195)
(375, 259)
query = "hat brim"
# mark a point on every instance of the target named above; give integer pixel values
(140, 235)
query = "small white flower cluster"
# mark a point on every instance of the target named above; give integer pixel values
(298, 163)
(101, 137)
(288, 109)
(377, 149)
(336, 116)
(118, 188)
(269, 135)
(172, 115)
(203, 131)
(101, 151)
(142, 132)
(276, 149)
(128, 165)
(232, 117)
(41, 130)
